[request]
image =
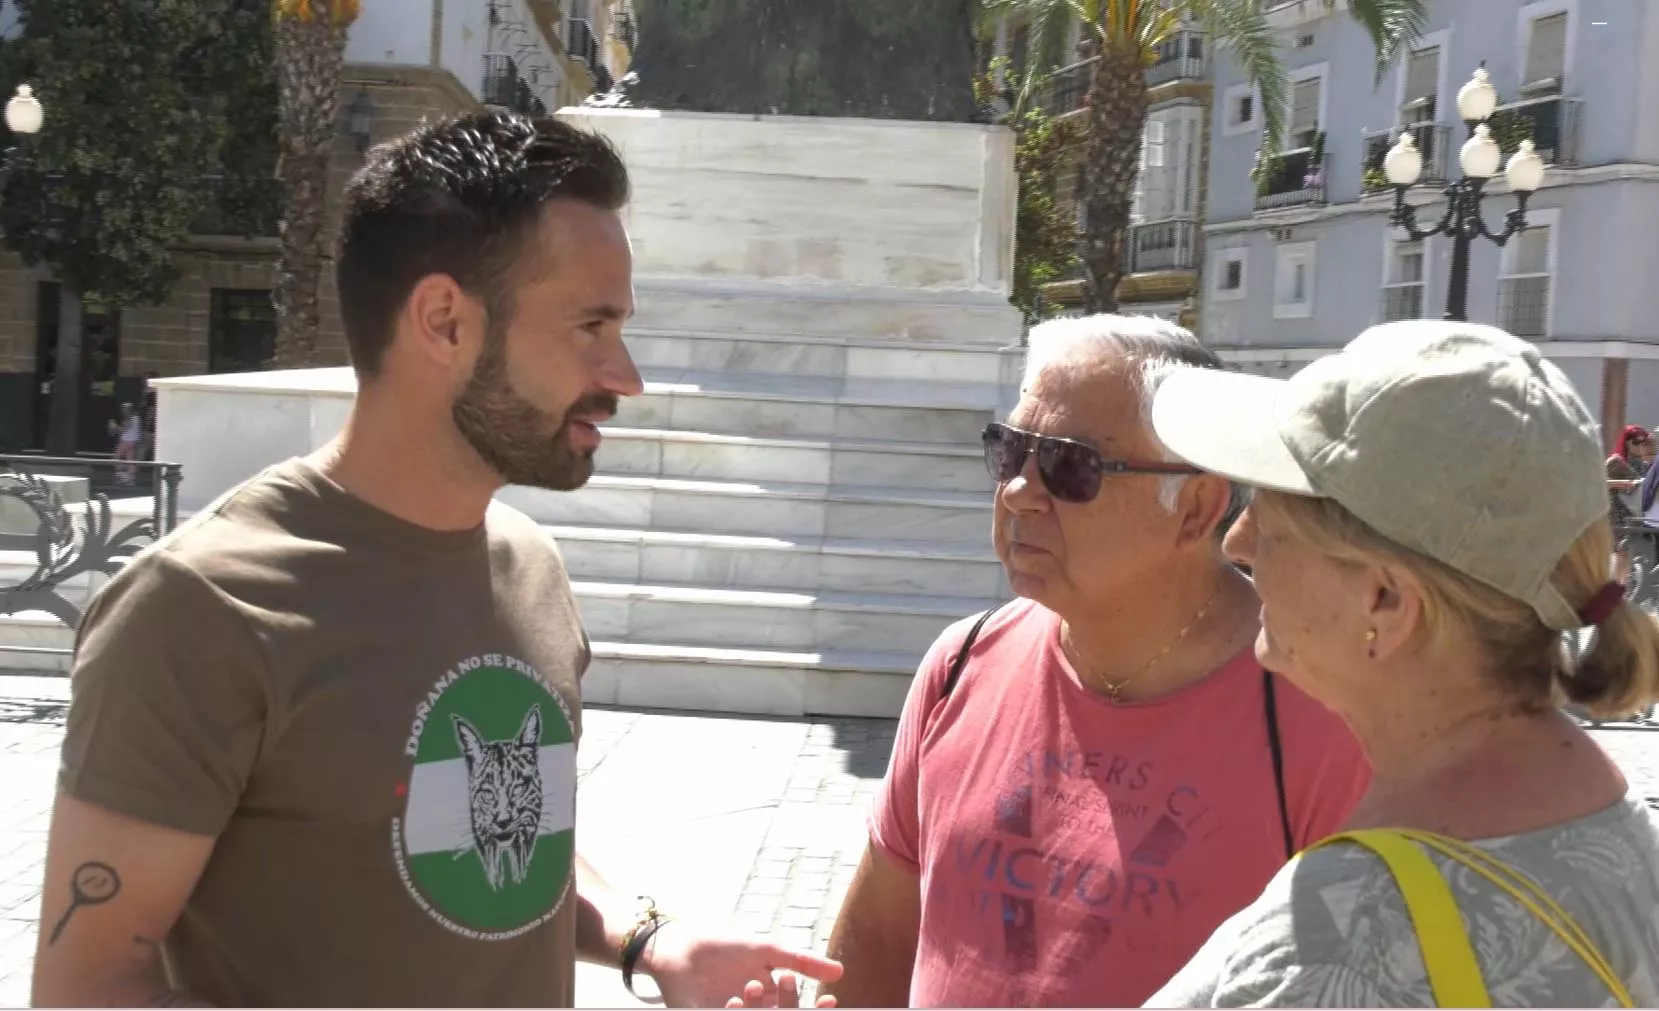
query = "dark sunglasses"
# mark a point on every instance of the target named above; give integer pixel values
(1071, 471)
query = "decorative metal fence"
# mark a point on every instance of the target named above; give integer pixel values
(62, 533)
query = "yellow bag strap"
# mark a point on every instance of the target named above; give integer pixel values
(1534, 899)
(1454, 974)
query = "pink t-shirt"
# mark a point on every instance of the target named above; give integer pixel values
(1073, 852)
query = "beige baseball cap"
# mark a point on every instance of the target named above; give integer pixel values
(1456, 440)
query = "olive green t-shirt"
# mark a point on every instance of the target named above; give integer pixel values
(378, 723)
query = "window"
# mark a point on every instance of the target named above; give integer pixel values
(1546, 54)
(1293, 281)
(1239, 105)
(1304, 112)
(1166, 186)
(1422, 86)
(1228, 269)
(241, 330)
(1525, 286)
(1404, 281)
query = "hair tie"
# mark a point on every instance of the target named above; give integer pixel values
(1602, 605)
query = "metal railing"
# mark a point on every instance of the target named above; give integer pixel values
(58, 533)
(1402, 301)
(500, 80)
(1292, 178)
(1067, 89)
(1162, 245)
(1524, 304)
(1434, 140)
(1180, 58)
(1552, 123)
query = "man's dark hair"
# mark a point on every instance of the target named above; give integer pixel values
(458, 197)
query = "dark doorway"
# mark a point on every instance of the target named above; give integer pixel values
(100, 393)
(242, 330)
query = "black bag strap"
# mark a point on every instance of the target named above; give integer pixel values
(1273, 747)
(960, 664)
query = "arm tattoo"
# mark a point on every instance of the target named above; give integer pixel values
(93, 884)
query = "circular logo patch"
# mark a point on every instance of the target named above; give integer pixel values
(486, 844)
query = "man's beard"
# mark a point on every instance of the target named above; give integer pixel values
(515, 438)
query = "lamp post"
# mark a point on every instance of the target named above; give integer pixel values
(1480, 157)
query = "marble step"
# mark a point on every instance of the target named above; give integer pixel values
(766, 619)
(36, 642)
(794, 355)
(659, 452)
(780, 563)
(763, 682)
(812, 406)
(763, 509)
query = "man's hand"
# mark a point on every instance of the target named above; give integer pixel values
(701, 970)
(788, 994)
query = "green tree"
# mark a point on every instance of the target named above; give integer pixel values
(113, 181)
(1127, 34)
(1045, 234)
(310, 49)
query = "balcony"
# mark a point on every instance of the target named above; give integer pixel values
(1552, 124)
(1402, 301)
(505, 88)
(1290, 179)
(500, 80)
(1162, 245)
(1524, 304)
(1180, 58)
(581, 44)
(1067, 89)
(1434, 140)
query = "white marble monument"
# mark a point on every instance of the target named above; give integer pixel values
(797, 506)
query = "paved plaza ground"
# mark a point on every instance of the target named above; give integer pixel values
(754, 822)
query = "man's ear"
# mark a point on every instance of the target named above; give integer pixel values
(438, 318)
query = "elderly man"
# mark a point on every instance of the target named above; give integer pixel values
(1090, 780)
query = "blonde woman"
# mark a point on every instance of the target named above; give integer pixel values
(1431, 518)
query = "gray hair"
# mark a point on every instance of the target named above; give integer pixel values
(1157, 348)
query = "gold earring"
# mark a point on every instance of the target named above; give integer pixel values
(1370, 635)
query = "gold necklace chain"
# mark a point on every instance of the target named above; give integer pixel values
(1114, 689)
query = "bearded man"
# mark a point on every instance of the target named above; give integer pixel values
(321, 748)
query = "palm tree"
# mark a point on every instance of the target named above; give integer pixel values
(1126, 35)
(310, 47)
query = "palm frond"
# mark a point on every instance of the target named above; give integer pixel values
(1241, 25)
(1392, 25)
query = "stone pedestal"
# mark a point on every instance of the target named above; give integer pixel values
(843, 228)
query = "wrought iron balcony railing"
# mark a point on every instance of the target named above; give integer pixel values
(1162, 245)
(1290, 179)
(1180, 58)
(1066, 89)
(1434, 140)
(1402, 301)
(1524, 304)
(500, 80)
(1551, 123)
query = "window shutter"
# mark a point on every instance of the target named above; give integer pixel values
(1532, 251)
(1304, 107)
(1422, 74)
(1547, 49)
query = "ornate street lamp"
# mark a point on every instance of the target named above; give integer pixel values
(24, 113)
(1480, 158)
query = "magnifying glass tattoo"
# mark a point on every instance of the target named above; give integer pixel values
(92, 884)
